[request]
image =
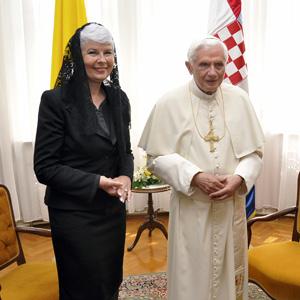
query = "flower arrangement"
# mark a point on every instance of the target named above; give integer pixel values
(143, 177)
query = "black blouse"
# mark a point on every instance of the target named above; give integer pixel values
(105, 126)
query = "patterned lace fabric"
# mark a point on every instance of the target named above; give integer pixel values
(73, 81)
(73, 67)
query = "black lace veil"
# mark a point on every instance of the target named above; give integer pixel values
(72, 78)
(73, 68)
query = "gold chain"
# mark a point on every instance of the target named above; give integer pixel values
(210, 136)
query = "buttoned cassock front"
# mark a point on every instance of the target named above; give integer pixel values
(207, 239)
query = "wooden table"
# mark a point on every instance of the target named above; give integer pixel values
(151, 221)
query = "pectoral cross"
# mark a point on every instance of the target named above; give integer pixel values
(211, 138)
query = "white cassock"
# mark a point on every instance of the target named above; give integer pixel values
(207, 251)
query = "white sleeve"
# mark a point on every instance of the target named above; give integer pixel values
(175, 171)
(249, 169)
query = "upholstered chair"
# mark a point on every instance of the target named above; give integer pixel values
(275, 267)
(20, 280)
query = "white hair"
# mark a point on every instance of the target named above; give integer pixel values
(96, 33)
(208, 41)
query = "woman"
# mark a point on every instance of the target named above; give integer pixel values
(83, 155)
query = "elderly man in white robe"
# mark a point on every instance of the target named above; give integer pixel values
(204, 139)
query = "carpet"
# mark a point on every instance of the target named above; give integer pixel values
(153, 286)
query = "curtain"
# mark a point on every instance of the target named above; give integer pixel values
(25, 68)
(152, 37)
(271, 31)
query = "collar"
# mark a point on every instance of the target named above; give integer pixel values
(200, 94)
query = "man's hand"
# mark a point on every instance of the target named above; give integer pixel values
(231, 184)
(207, 183)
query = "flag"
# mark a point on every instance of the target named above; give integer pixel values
(69, 15)
(225, 23)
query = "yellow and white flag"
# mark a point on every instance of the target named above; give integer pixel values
(69, 15)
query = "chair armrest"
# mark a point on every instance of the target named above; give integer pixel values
(267, 218)
(34, 230)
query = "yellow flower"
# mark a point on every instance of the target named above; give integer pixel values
(143, 177)
(147, 172)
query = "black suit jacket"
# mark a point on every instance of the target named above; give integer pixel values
(70, 156)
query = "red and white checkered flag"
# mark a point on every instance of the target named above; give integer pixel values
(225, 24)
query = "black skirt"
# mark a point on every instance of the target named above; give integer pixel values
(89, 250)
